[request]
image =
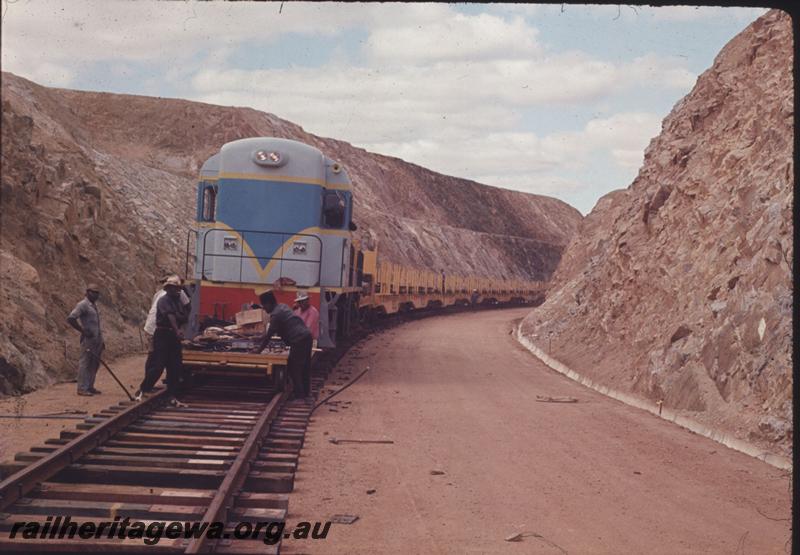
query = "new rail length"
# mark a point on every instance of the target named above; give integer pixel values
(278, 214)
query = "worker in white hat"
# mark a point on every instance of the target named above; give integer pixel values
(150, 323)
(307, 312)
(171, 315)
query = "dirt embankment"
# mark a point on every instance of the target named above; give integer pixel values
(100, 187)
(679, 288)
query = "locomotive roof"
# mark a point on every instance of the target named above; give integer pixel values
(271, 158)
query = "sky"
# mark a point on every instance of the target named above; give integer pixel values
(558, 99)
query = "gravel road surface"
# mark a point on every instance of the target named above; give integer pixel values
(476, 458)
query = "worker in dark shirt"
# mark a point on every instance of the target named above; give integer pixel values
(170, 316)
(293, 331)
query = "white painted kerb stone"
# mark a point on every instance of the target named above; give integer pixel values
(667, 414)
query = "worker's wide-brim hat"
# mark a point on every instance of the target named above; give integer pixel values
(301, 296)
(261, 290)
(174, 281)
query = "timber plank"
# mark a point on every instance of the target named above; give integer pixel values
(269, 482)
(272, 466)
(136, 451)
(122, 493)
(179, 430)
(106, 509)
(161, 444)
(144, 476)
(267, 500)
(123, 460)
(78, 545)
(178, 439)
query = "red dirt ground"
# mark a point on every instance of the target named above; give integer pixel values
(22, 434)
(457, 394)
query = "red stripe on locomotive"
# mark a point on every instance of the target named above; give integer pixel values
(231, 299)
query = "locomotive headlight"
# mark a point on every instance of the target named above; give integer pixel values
(230, 244)
(299, 247)
(268, 158)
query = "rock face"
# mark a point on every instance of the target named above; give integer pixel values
(73, 213)
(679, 288)
(101, 187)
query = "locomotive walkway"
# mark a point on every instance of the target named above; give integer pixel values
(476, 459)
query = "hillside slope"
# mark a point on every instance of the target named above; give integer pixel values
(680, 287)
(100, 187)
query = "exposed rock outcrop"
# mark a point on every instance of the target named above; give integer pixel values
(679, 287)
(101, 187)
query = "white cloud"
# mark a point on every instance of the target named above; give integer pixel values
(450, 91)
(669, 14)
(54, 75)
(552, 185)
(625, 131)
(623, 137)
(525, 10)
(476, 155)
(169, 34)
(525, 161)
(630, 159)
(660, 71)
(499, 56)
(705, 13)
(462, 98)
(457, 37)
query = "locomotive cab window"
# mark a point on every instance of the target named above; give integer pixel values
(333, 209)
(208, 207)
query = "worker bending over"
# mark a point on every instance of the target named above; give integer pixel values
(293, 331)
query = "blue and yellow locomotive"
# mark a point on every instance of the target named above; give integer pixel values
(273, 214)
(277, 214)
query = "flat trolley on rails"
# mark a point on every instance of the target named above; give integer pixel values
(271, 366)
(235, 363)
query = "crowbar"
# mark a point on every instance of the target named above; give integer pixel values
(338, 441)
(125, 389)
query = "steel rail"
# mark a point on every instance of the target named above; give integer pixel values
(22, 482)
(237, 474)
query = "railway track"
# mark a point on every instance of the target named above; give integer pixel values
(229, 457)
